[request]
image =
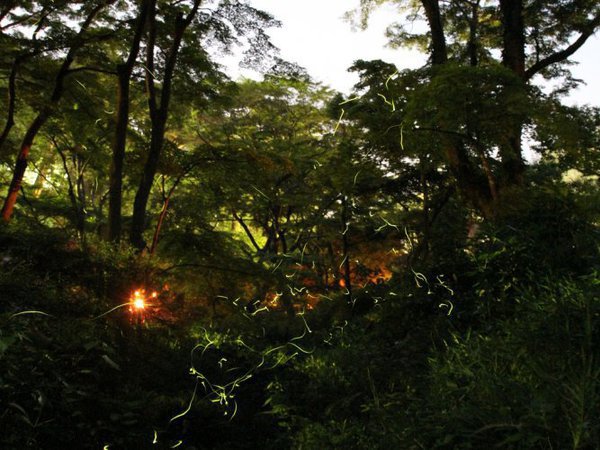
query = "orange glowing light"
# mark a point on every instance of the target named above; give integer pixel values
(138, 300)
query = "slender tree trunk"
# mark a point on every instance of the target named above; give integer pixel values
(161, 218)
(426, 200)
(38, 184)
(10, 115)
(81, 185)
(158, 113)
(346, 248)
(163, 213)
(124, 72)
(116, 168)
(159, 223)
(75, 204)
(472, 46)
(138, 223)
(277, 231)
(333, 264)
(21, 165)
(247, 231)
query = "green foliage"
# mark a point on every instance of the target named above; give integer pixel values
(494, 347)
(69, 375)
(529, 381)
(322, 278)
(482, 102)
(568, 136)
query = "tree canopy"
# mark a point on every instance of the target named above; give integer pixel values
(192, 261)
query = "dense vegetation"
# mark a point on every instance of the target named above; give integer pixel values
(192, 262)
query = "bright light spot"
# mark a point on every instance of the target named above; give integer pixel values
(138, 299)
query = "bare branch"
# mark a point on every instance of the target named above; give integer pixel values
(564, 54)
(247, 230)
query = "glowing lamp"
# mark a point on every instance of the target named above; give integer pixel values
(138, 300)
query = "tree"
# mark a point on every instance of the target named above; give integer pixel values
(158, 108)
(186, 28)
(534, 38)
(413, 184)
(46, 111)
(124, 71)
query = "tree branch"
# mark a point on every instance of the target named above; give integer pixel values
(150, 46)
(181, 25)
(91, 69)
(247, 230)
(564, 54)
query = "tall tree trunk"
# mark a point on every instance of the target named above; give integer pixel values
(138, 223)
(10, 115)
(423, 169)
(513, 57)
(346, 248)
(45, 113)
(472, 46)
(80, 182)
(75, 203)
(513, 37)
(333, 264)
(124, 72)
(439, 52)
(471, 182)
(159, 113)
(21, 165)
(159, 223)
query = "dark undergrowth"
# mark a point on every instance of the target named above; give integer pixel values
(492, 343)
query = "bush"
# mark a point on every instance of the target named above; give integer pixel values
(533, 381)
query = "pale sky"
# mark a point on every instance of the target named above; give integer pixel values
(315, 35)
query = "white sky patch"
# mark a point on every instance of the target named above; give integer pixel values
(316, 36)
(587, 70)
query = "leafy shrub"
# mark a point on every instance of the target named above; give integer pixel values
(533, 381)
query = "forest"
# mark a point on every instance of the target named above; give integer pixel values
(197, 262)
